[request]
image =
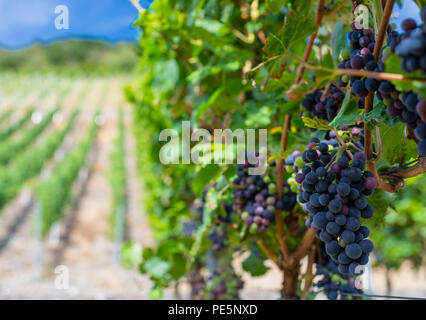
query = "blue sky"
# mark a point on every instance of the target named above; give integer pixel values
(24, 22)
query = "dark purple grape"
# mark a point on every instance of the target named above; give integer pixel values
(409, 24)
(357, 62)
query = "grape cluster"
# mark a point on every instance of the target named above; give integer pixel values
(407, 107)
(256, 198)
(222, 281)
(412, 48)
(218, 236)
(334, 196)
(335, 285)
(223, 286)
(360, 56)
(324, 105)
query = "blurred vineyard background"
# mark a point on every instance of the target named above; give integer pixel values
(72, 184)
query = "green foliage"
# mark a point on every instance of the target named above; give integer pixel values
(254, 264)
(117, 174)
(381, 201)
(396, 147)
(72, 56)
(402, 236)
(11, 147)
(29, 163)
(9, 130)
(227, 65)
(348, 114)
(5, 115)
(53, 193)
(339, 39)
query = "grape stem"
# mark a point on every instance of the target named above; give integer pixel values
(354, 147)
(308, 273)
(407, 172)
(311, 41)
(335, 10)
(232, 225)
(379, 144)
(269, 253)
(237, 186)
(358, 73)
(343, 144)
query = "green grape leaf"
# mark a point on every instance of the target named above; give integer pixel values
(254, 264)
(396, 147)
(316, 123)
(156, 267)
(178, 266)
(298, 26)
(381, 201)
(212, 26)
(274, 5)
(166, 75)
(338, 40)
(261, 118)
(210, 207)
(203, 177)
(131, 254)
(204, 106)
(348, 114)
(156, 292)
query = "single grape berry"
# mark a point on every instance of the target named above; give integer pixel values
(348, 236)
(371, 84)
(332, 248)
(357, 62)
(421, 148)
(366, 245)
(421, 131)
(353, 224)
(409, 24)
(353, 250)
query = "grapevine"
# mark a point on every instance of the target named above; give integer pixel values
(344, 107)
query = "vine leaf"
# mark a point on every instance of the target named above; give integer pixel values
(131, 254)
(348, 114)
(299, 25)
(328, 73)
(209, 208)
(203, 177)
(204, 106)
(316, 123)
(156, 267)
(338, 40)
(380, 201)
(396, 147)
(275, 5)
(378, 115)
(254, 264)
